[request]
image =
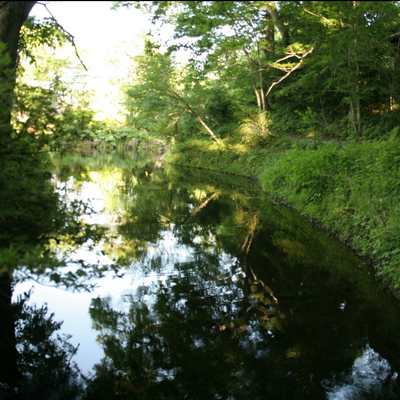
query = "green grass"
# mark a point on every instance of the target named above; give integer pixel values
(353, 190)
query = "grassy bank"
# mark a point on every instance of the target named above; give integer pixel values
(350, 189)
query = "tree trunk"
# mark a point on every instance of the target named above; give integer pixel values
(262, 83)
(253, 80)
(358, 101)
(12, 16)
(270, 6)
(394, 97)
(353, 64)
(8, 353)
(268, 50)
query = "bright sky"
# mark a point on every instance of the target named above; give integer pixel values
(106, 39)
(93, 24)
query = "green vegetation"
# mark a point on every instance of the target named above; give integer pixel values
(260, 76)
(255, 71)
(351, 189)
(52, 104)
(302, 95)
(327, 69)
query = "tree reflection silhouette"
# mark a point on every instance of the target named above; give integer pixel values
(34, 225)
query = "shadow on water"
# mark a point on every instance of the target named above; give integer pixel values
(231, 295)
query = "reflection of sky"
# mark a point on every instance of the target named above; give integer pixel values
(365, 378)
(73, 308)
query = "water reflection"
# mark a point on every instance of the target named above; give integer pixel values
(367, 378)
(225, 295)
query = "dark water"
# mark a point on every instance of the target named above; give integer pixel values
(222, 294)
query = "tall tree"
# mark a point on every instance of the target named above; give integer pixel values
(32, 217)
(12, 16)
(254, 29)
(353, 71)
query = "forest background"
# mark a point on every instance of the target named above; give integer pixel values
(302, 95)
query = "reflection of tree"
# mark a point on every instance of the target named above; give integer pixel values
(34, 225)
(177, 347)
(266, 323)
(200, 207)
(204, 334)
(262, 325)
(44, 358)
(145, 201)
(26, 205)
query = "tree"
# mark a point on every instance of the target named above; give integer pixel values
(331, 66)
(12, 16)
(161, 91)
(50, 102)
(32, 217)
(353, 68)
(253, 29)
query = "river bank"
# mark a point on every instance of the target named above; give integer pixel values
(351, 190)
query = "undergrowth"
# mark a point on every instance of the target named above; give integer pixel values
(353, 190)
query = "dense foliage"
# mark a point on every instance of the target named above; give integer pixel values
(52, 101)
(350, 189)
(237, 71)
(323, 68)
(257, 71)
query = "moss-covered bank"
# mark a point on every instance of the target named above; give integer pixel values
(350, 189)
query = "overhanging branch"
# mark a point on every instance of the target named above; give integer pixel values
(71, 37)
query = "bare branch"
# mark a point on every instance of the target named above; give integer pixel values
(67, 33)
(291, 70)
(319, 16)
(288, 56)
(281, 67)
(191, 110)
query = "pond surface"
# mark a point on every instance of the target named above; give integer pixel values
(220, 294)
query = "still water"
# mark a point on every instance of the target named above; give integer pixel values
(219, 292)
